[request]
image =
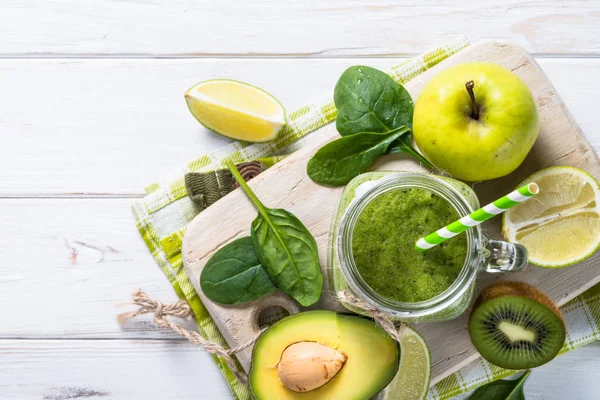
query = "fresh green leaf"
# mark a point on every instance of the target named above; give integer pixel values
(338, 162)
(501, 390)
(285, 248)
(369, 100)
(234, 275)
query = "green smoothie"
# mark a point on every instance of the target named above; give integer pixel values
(383, 245)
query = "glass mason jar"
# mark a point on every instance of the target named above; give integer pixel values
(482, 254)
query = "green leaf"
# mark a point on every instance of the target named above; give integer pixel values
(234, 275)
(501, 390)
(285, 248)
(338, 162)
(369, 100)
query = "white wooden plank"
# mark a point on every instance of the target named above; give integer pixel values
(303, 28)
(572, 376)
(72, 127)
(107, 370)
(67, 264)
(123, 369)
(113, 126)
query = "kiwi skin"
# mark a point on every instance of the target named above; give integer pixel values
(514, 289)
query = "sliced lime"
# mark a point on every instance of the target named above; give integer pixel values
(412, 379)
(561, 226)
(236, 110)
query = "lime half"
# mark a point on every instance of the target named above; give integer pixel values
(236, 110)
(561, 225)
(412, 379)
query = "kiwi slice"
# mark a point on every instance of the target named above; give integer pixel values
(515, 326)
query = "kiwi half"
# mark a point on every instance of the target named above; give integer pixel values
(515, 326)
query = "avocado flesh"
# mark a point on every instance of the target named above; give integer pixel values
(371, 364)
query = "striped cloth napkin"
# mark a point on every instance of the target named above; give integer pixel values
(163, 214)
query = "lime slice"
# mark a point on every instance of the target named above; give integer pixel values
(561, 226)
(412, 379)
(236, 110)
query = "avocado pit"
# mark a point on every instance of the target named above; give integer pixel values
(306, 366)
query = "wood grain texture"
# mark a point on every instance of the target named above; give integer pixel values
(113, 126)
(142, 370)
(286, 185)
(109, 127)
(283, 28)
(107, 370)
(67, 265)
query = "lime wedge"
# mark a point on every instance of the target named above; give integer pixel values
(412, 379)
(561, 225)
(236, 110)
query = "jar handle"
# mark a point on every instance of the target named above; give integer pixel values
(504, 256)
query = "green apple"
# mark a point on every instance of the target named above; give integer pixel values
(476, 121)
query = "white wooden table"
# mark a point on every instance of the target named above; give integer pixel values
(92, 109)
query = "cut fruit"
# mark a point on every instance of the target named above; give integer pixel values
(349, 358)
(515, 326)
(236, 110)
(561, 225)
(412, 379)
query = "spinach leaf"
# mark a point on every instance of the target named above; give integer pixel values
(285, 248)
(369, 100)
(234, 275)
(501, 390)
(338, 162)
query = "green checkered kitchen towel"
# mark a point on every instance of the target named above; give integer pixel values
(163, 214)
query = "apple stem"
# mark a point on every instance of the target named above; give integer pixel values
(470, 85)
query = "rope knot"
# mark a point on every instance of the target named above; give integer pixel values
(182, 310)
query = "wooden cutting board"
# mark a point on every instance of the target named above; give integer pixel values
(286, 185)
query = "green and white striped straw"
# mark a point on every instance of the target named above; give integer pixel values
(477, 217)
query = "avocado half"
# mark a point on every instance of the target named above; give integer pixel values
(372, 356)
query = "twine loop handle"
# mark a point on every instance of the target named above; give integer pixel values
(182, 310)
